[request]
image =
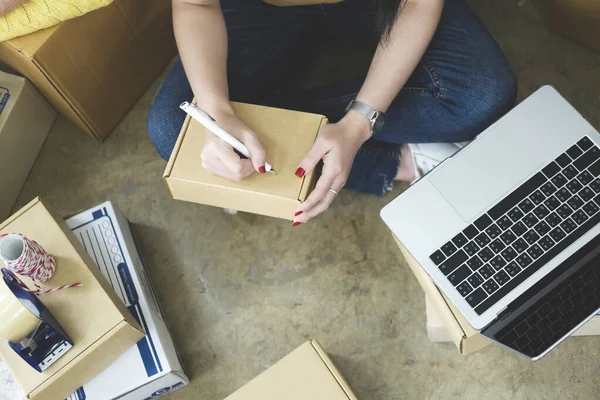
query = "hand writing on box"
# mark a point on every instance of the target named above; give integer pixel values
(336, 145)
(219, 158)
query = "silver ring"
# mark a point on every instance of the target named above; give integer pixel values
(332, 190)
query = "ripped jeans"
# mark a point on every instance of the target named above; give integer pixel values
(461, 86)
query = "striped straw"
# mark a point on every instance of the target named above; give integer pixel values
(26, 257)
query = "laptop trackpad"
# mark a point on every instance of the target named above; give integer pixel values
(485, 171)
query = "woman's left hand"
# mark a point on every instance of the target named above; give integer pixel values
(337, 145)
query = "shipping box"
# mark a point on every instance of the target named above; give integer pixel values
(286, 135)
(578, 20)
(151, 368)
(93, 316)
(93, 68)
(25, 120)
(306, 373)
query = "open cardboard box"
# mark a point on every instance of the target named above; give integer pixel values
(306, 373)
(286, 135)
(95, 319)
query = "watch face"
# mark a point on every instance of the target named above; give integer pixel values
(379, 123)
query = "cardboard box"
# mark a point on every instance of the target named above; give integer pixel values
(151, 368)
(286, 135)
(25, 120)
(98, 323)
(93, 68)
(305, 373)
(578, 20)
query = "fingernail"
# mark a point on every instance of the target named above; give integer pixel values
(298, 213)
(300, 172)
(296, 223)
(262, 169)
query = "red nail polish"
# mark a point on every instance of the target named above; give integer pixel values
(300, 172)
(262, 169)
(296, 223)
(298, 213)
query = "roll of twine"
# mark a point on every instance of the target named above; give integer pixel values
(36, 263)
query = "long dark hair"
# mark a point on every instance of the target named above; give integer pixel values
(386, 13)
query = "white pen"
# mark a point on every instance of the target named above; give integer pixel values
(209, 123)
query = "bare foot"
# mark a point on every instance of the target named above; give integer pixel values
(406, 172)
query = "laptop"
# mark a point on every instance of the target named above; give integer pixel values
(507, 227)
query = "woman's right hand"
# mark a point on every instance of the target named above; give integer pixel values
(219, 158)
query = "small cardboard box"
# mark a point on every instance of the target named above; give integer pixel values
(96, 320)
(25, 120)
(306, 373)
(578, 20)
(93, 68)
(151, 368)
(286, 135)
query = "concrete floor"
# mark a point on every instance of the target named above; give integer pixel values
(240, 292)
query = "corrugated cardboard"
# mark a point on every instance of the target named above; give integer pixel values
(466, 339)
(306, 373)
(93, 68)
(25, 120)
(286, 135)
(151, 368)
(93, 316)
(578, 20)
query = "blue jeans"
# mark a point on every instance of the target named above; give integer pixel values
(461, 86)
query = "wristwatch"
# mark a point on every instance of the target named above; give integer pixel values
(375, 117)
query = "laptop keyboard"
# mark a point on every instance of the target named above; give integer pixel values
(553, 316)
(526, 229)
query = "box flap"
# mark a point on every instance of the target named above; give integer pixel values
(300, 375)
(286, 135)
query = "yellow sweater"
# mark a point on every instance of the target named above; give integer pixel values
(35, 15)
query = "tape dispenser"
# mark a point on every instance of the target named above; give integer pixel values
(31, 330)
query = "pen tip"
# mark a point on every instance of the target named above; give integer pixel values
(272, 171)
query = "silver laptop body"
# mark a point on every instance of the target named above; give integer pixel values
(508, 225)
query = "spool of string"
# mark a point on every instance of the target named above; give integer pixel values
(26, 257)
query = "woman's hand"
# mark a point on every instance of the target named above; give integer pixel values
(337, 145)
(219, 158)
